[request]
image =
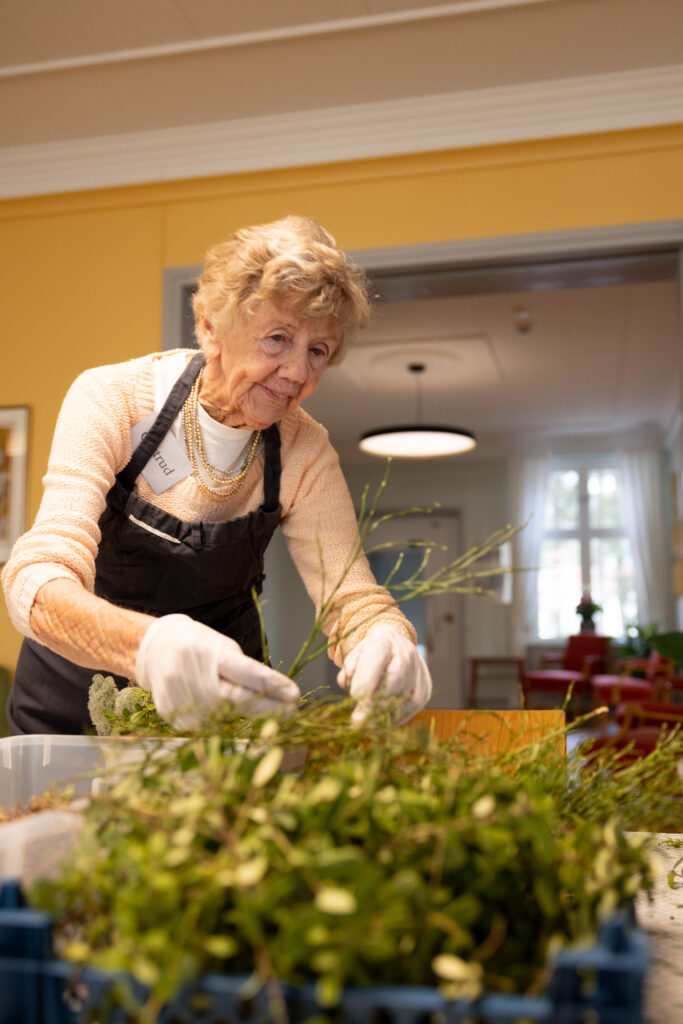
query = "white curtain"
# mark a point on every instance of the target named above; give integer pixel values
(641, 486)
(528, 483)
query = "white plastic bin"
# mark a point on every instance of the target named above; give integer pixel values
(30, 765)
(33, 845)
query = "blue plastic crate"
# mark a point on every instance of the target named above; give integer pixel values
(603, 984)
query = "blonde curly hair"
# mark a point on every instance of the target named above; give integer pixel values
(292, 262)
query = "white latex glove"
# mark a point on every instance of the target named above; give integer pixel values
(191, 669)
(385, 663)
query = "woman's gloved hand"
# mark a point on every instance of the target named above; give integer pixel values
(385, 663)
(191, 669)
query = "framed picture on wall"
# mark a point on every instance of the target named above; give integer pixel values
(13, 456)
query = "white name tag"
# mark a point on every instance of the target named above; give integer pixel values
(168, 465)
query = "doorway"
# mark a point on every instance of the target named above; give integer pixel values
(438, 620)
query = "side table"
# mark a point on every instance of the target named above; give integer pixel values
(509, 667)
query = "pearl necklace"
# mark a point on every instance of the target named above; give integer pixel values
(230, 482)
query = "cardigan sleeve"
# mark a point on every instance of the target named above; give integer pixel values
(91, 443)
(322, 535)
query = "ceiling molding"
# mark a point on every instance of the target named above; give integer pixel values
(571, 106)
(269, 35)
(543, 245)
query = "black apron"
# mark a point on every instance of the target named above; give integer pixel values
(205, 570)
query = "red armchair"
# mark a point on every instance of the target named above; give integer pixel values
(653, 684)
(584, 655)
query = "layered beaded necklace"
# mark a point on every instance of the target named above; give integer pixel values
(228, 483)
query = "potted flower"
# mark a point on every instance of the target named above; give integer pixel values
(587, 608)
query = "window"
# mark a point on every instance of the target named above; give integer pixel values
(584, 550)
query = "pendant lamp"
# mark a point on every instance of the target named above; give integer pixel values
(417, 440)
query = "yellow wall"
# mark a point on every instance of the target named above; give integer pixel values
(81, 273)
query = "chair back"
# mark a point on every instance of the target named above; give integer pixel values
(583, 646)
(658, 667)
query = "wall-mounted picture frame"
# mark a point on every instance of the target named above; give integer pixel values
(14, 422)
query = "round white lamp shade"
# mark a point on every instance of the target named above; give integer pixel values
(417, 441)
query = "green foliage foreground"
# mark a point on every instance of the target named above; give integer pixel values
(390, 858)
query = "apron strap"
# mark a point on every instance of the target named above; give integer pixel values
(272, 469)
(168, 412)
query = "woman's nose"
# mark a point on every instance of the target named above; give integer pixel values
(295, 365)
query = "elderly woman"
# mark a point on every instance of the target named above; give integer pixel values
(167, 477)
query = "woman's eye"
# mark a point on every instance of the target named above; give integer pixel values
(319, 352)
(275, 342)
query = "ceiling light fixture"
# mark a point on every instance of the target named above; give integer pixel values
(417, 440)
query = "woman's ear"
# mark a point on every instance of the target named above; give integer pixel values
(209, 341)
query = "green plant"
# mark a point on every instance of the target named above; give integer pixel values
(122, 712)
(462, 575)
(669, 645)
(391, 858)
(131, 710)
(639, 640)
(587, 607)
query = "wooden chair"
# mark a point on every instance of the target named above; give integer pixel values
(584, 655)
(674, 689)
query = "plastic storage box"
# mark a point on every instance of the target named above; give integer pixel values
(30, 765)
(33, 846)
(602, 984)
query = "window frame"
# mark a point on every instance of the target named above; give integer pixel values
(583, 533)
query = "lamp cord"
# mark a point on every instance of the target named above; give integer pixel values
(417, 369)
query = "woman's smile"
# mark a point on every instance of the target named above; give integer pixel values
(280, 397)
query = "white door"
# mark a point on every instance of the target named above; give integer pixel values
(438, 620)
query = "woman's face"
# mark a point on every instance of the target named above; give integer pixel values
(264, 365)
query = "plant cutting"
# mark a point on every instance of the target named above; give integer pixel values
(465, 574)
(133, 709)
(391, 859)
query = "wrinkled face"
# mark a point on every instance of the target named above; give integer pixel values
(264, 365)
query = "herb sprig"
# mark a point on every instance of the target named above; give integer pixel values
(391, 858)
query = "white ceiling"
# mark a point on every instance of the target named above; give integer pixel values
(106, 77)
(596, 361)
(72, 68)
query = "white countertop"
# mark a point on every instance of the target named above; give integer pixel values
(662, 920)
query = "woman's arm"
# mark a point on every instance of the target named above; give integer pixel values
(91, 443)
(49, 579)
(321, 530)
(87, 630)
(376, 646)
(189, 668)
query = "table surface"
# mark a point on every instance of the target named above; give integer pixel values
(661, 918)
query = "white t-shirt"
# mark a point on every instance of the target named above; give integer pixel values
(224, 447)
